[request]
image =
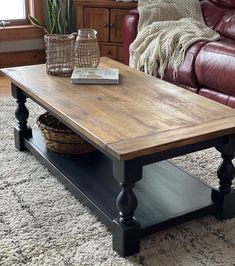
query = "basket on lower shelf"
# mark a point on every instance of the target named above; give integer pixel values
(60, 138)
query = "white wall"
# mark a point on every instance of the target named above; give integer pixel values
(10, 46)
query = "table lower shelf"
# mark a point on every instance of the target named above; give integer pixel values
(166, 194)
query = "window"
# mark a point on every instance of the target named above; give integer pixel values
(14, 12)
(16, 25)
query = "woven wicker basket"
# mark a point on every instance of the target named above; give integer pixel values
(59, 54)
(60, 138)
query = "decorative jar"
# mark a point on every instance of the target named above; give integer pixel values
(87, 53)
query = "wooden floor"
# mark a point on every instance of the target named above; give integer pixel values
(4, 87)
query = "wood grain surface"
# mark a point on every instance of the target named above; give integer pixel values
(140, 116)
(5, 85)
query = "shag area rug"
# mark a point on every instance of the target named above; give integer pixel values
(42, 223)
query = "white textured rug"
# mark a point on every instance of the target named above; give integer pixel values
(41, 223)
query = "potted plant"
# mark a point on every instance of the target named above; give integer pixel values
(59, 17)
(59, 44)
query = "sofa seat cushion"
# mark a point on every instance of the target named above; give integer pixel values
(186, 73)
(231, 102)
(215, 66)
(214, 95)
(218, 96)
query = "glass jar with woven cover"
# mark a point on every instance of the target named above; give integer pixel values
(86, 52)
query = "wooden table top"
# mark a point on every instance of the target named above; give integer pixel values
(140, 116)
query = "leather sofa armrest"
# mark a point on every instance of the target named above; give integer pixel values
(129, 31)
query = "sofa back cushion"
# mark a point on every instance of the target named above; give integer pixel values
(227, 3)
(220, 15)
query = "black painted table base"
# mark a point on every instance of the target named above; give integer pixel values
(137, 197)
(164, 199)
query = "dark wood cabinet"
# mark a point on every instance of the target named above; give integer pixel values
(105, 16)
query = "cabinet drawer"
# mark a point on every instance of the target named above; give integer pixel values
(98, 19)
(120, 53)
(109, 51)
(116, 21)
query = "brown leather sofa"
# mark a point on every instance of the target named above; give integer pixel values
(208, 68)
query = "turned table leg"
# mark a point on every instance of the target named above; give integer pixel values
(126, 229)
(226, 173)
(22, 130)
(225, 196)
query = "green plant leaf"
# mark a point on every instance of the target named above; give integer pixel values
(56, 14)
(59, 17)
(50, 16)
(59, 22)
(68, 12)
(36, 23)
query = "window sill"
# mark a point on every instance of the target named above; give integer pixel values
(23, 32)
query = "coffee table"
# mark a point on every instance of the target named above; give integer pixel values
(135, 127)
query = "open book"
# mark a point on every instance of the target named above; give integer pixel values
(95, 76)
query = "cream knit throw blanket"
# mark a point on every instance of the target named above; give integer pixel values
(166, 29)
